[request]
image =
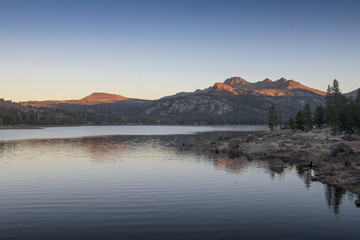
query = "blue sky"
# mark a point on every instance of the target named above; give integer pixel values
(149, 49)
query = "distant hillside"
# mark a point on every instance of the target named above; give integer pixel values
(97, 97)
(10, 104)
(92, 99)
(215, 108)
(14, 114)
(352, 94)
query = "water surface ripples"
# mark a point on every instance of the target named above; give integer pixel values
(151, 187)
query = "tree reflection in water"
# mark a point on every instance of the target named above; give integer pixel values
(305, 174)
(334, 195)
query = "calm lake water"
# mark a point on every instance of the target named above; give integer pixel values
(141, 183)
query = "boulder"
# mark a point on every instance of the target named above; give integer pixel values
(250, 138)
(357, 202)
(314, 179)
(223, 150)
(347, 163)
(340, 148)
(315, 164)
(348, 137)
(233, 146)
(306, 164)
(308, 145)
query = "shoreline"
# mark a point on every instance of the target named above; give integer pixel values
(335, 159)
(20, 127)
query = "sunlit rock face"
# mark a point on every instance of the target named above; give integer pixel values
(224, 87)
(235, 81)
(280, 87)
(98, 97)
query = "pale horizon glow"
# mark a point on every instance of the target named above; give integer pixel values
(60, 50)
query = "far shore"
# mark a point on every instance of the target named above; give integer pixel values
(20, 127)
(6, 127)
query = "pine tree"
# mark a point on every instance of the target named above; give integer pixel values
(357, 110)
(335, 103)
(319, 116)
(280, 112)
(336, 89)
(291, 123)
(299, 120)
(307, 117)
(347, 116)
(272, 118)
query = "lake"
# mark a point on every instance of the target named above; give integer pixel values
(140, 182)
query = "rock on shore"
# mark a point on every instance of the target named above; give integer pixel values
(334, 158)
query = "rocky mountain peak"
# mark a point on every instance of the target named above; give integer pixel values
(224, 87)
(283, 79)
(267, 80)
(235, 81)
(280, 87)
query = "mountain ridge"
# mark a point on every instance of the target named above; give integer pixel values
(233, 101)
(280, 87)
(352, 94)
(92, 99)
(233, 85)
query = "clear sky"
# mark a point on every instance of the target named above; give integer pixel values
(150, 49)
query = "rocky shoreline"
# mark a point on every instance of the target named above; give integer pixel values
(335, 159)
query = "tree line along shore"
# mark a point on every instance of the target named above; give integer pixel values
(339, 113)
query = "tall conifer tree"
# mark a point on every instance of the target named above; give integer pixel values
(272, 118)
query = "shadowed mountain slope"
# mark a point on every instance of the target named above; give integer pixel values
(352, 94)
